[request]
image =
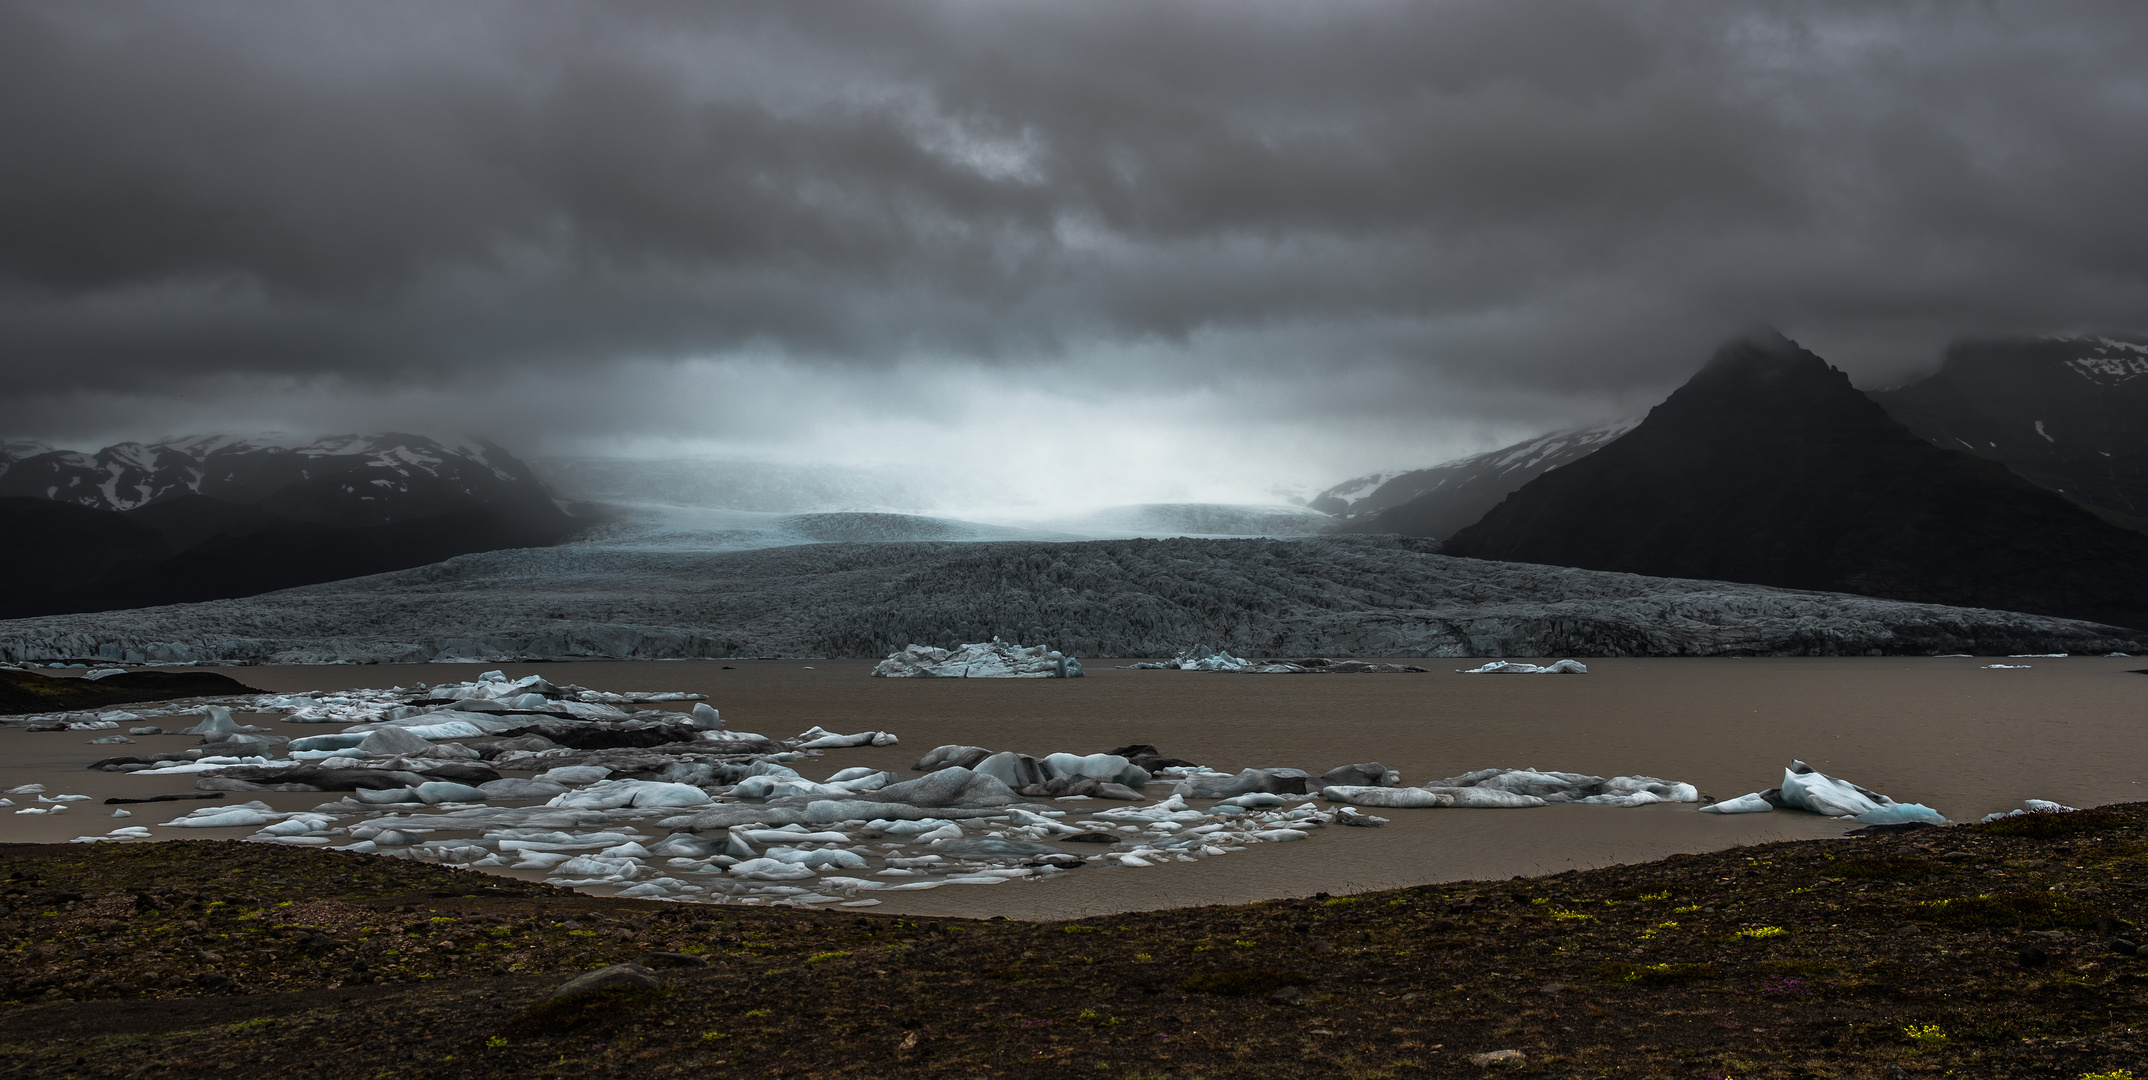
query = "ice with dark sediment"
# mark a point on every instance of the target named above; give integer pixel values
(1808, 789)
(1201, 658)
(1519, 788)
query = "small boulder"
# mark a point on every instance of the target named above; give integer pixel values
(1498, 1057)
(625, 976)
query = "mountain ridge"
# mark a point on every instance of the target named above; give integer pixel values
(1768, 467)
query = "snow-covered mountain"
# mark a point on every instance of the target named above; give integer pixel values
(343, 480)
(1441, 499)
(2067, 413)
(215, 516)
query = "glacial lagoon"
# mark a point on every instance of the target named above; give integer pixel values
(1966, 736)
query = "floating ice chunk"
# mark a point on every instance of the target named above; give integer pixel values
(687, 845)
(1396, 798)
(1246, 782)
(1805, 788)
(131, 832)
(819, 738)
(1509, 667)
(954, 786)
(940, 757)
(232, 818)
(25, 789)
(519, 788)
(592, 866)
(342, 740)
(392, 742)
(299, 825)
(386, 796)
(707, 718)
(613, 794)
(769, 870)
(1895, 813)
(440, 791)
(111, 740)
(917, 827)
(986, 847)
(1259, 800)
(791, 835)
(575, 774)
(64, 798)
(819, 857)
(1823, 794)
(1216, 661)
(1755, 803)
(121, 812)
(217, 721)
(2007, 667)
(1103, 768)
(988, 660)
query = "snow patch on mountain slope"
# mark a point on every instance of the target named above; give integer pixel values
(2110, 361)
(1505, 468)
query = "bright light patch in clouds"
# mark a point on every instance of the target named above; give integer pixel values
(1097, 252)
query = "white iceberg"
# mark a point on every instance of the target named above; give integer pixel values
(1808, 789)
(1510, 667)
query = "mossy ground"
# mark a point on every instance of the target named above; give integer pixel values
(1980, 957)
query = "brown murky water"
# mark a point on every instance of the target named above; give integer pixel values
(1946, 732)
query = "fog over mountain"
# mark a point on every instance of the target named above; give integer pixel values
(1163, 251)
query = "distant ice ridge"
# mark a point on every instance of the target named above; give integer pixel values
(1378, 596)
(1806, 788)
(994, 659)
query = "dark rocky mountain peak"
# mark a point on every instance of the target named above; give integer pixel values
(1769, 467)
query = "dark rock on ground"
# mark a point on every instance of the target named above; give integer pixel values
(617, 976)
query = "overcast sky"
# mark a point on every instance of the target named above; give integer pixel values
(1170, 249)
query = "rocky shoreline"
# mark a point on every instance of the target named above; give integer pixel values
(1995, 950)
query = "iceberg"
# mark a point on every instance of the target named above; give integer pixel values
(1509, 667)
(1517, 788)
(994, 659)
(1808, 789)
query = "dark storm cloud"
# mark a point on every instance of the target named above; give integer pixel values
(1494, 194)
